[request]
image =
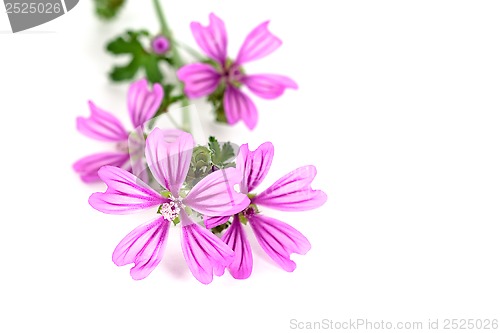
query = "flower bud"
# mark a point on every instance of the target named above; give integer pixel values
(160, 45)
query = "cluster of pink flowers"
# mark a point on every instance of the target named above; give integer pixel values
(149, 170)
(168, 155)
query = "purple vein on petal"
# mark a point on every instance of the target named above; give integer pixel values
(125, 193)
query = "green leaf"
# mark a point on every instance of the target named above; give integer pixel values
(123, 46)
(125, 73)
(130, 44)
(214, 146)
(220, 155)
(108, 9)
(227, 152)
(153, 73)
(199, 167)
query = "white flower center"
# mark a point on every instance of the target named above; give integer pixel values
(170, 210)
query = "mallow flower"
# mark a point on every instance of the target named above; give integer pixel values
(103, 126)
(202, 79)
(279, 240)
(168, 155)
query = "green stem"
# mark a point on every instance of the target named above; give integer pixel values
(186, 119)
(165, 30)
(177, 61)
(195, 54)
(161, 17)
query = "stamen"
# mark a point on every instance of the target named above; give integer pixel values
(234, 74)
(250, 211)
(170, 210)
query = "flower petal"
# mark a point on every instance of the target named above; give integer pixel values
(144, 247)
(214, 195)
(279, 240)
(142, 103)
(214, 221)
(254, 165)
(199, 79)
(101, 125)
(268, 86)
(168, 157)
(212, 39)
(125, 193)
(238, 105)
(88, 166)
(236, 239)
(293, 192)
(202, 250)
(259, 43)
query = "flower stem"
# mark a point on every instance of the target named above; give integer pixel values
(186, 119)
(165, 30)
(195, 54)
(177, 61)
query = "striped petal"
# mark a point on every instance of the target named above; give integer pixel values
(144, 247)
(125, 193)
(259, 43)
(268, 86)
(143, 103)
(293, 192)
(214, 195)
(199, 79)
(88, 166)
(101, 125)
(168, 155)
(236, 239)
(214, 221)
(279, 240)
(204, 252)
(212, 39)
(254, 165)
(238, 106)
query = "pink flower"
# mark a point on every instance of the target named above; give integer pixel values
(168, 155)
(291, 192)
(103, 126)
(202, 79)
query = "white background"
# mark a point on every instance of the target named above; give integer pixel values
(398, 108)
